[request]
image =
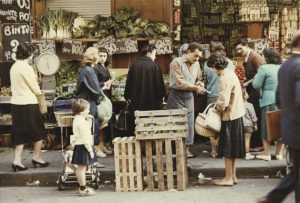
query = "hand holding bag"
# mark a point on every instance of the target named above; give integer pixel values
(123, 118)
(208, 123)
(42, 103)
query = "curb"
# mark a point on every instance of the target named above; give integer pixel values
(11, 179)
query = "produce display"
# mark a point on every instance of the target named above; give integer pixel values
(66, 79)
(59, 24)
(119, 88)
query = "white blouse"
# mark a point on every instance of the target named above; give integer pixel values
(82, 130)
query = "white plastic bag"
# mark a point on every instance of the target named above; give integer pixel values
(104, 110)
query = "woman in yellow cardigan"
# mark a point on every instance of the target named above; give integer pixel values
(230, 105)
(27, 121)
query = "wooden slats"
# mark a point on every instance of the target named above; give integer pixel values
(161, 124)
(161, 112)
(160, 167)
(168, 119)
(149, 164)
(161, 128)
(128, 164)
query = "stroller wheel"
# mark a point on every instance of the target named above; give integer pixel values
(60, 183)
(97, 179)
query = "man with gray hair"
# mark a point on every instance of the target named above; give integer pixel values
(289, 94)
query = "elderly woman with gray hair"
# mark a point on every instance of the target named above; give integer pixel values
(88, 85)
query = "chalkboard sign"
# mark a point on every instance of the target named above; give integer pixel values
(11, 36)
(14, 11)
(73, 47)
(42, 46)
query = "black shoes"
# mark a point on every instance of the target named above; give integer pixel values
(16, 167)
(39, 164)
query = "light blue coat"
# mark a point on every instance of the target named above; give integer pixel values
(266, 79)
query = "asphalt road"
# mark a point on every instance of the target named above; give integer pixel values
(246, 191)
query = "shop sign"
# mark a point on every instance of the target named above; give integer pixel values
(15, 10)
(163, 46)
(73, 47)
(12, 35)
(274, 34)
(258, 45)
(118, 46)
(43, 45)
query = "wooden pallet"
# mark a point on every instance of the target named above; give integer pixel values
(128, 164)
(161, 124)
(164, 173)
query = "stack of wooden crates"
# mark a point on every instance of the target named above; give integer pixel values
(160, 136)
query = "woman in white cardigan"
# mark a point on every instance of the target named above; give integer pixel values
(27, 121)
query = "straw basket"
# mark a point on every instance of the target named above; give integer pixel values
(201, 128)
(63, 122)
(42, 103)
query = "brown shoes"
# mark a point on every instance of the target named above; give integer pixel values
(264, 200)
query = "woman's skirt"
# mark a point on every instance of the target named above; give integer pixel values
(263, 126)
(232, 140)
(27, 124)
(81, 156)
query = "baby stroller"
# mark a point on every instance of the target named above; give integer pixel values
(68, 175)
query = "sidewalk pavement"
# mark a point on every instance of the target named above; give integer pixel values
(202, 163)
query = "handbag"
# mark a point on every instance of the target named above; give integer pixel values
(208, 123)
(273, 124)
(42, 103)
(123, 118)
(104, 111)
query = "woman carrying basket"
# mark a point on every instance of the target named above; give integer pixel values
(230, 105)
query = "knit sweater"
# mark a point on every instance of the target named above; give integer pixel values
(24, 85)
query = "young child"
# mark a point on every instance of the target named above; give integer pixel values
(250, 123)
(83, 154)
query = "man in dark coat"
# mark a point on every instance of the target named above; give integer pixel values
(289, 93)
(144, 85)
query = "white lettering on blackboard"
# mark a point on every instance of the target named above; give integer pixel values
(6, 1)
(24, 4)
(16, 30)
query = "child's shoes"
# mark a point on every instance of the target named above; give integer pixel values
(87, 192)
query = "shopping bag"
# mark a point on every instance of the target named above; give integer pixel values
(123, 118)
(42, 103)
(273, 124)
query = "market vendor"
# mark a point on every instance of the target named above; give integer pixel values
(88, 85)
(185, 79)
(144, 85)
(105, 82)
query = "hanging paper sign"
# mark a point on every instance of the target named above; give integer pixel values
(126, 45)
(258, 45)
(118, 46)
(44, 45)
(163, 46)
(176, 2)
(289, 34)
(107, 43)
(73, 47)
(274, 35)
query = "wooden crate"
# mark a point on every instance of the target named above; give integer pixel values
(161, 124)
(128, 164)
(166, 170)
(64, 122)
